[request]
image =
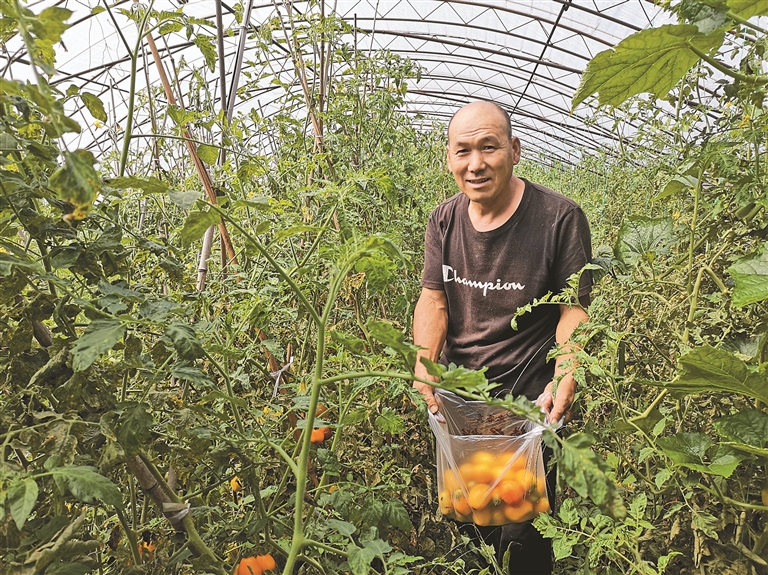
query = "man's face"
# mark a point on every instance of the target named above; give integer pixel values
(481, 156)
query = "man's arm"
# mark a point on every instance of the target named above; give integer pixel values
(430, 325)
(570, 318)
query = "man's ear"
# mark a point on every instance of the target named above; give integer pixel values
(515, 145)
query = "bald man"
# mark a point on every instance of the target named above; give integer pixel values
(496, 246)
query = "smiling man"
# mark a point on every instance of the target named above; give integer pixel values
(496, 246)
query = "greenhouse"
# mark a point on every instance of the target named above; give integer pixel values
(384, 287)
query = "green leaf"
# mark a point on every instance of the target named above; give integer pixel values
(643, 238)
(110, 239)
(562, 547)
(453, 378)
(707, 369)
(68, 568)
(22, 496)
(706, 18)
(98, 10)
(746, 430)
(750, 274)
(587, 473)
(378, 270)
(390, 422)
(396, 515)
(207, 153)
(159, 310)
(205, 43)
(196, 224)
(192, 374)
(87, 485)
(372, 511)
(150, 185)
(651, 60)
(683, 447)
(184, 200)
(77, 180)
(677, 184)
(379, 547)
(295, 230)
(695, 451)
(49, 24)
(184, 341)
(747, 8)
(134, 426)
(94, 105)
(387, 334)
(352, 343)
(724, 460)
(342, 527)
(99, 337)
(706, 523)
(360, 559)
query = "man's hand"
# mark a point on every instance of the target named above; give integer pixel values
(560, 405)
(428, 393)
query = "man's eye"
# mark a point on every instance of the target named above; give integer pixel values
(460, 152)
(489, 148)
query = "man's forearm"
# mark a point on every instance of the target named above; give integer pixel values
(430, 326)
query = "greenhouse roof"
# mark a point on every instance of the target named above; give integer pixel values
(525, 55)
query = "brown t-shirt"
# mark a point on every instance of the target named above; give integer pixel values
(487, 276)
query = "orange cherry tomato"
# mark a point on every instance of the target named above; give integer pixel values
(460, 503)
(479, 496)
(318, 435)
(446, 504)
(266, 562)
(249, 566)
(521, 512)
(511, 491)
(482, 517)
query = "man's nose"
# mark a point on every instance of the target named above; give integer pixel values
(476, 161)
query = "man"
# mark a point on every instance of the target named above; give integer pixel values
(489, 250)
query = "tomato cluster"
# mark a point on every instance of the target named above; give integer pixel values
(493, 489)
(256, 565)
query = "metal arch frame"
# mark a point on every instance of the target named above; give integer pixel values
(451, 56)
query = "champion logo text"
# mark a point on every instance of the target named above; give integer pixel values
(450, 275)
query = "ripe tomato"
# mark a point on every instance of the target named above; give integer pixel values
(321, 409)
(450, 481)
(483, 457)
(327, 432)
(318, 435)
(266, 562)
(511, 491)
(460, 503)
(249, 566)
(446, 505)
(482, 517)
(479, 496)
(519, 513)
(467, 472)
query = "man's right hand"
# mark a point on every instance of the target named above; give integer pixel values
(428, 393)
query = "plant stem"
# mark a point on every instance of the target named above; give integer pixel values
(129, 533)
(726, 70)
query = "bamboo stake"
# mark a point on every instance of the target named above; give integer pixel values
(201, 170)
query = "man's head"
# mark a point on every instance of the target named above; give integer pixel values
(502, 112)
(482, 152)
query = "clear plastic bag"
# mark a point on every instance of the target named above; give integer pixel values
(490, 468)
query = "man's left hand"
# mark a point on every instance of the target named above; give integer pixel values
(558, 406)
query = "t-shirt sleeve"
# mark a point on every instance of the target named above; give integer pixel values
(433, 255)
(574, 251)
